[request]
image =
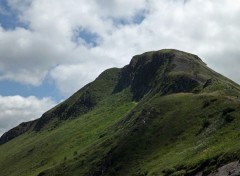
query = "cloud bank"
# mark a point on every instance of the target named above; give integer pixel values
(16, 109)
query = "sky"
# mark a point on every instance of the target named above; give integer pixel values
(51, 48)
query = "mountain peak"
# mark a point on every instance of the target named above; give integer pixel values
(163, 72)
(143, 119)
(167, 70)
(163, 54)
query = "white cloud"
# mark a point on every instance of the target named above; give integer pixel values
(16, 109)
(73, 76)
(26, 56)
(208, 28)
(19, 5)
(120, 8)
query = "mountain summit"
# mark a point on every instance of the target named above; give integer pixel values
(166, 113)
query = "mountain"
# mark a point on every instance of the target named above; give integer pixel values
(166, 113)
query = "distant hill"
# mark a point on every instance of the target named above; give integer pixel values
(166, 113)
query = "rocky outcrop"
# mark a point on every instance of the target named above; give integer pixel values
(17, 131)
(230, 169)
(153, 70)
(142, 72)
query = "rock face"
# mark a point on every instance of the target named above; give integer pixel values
(17, 131)
(169, 72)
(230, 169)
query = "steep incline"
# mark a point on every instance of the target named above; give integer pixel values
(166, 113)
(78, 104)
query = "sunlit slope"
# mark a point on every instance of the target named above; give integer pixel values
(166, 113)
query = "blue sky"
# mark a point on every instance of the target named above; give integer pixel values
(46, 89)
(8, 17)
(51, 48)
(9, 21)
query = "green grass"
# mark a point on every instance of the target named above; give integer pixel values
(172, 137)
(164, 132)
(40, 151)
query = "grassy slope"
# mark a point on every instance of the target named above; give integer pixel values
(174, 138)
(174, 134)
(40, 151)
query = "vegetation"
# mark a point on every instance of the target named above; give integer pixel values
(166, 113)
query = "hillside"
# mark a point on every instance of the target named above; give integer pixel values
(166, 113)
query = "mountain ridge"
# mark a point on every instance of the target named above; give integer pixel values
(148, 118)
(86, 99)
